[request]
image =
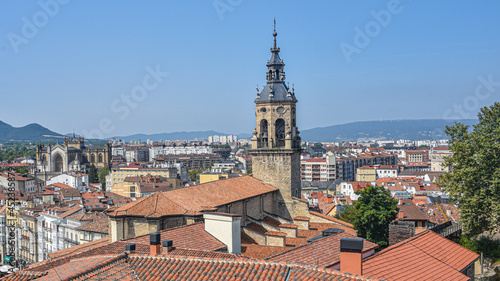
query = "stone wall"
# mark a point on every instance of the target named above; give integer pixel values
(401, 230)
(275, 240)
(279, 168)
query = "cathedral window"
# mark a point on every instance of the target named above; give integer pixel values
(92, 158)
(100, 157)
(58, 163)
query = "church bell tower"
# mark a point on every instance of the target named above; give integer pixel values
(276, 143)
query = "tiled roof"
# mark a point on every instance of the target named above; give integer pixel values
(261, 251)
(170, 267)
(99, 223)
(330, 218)
(192, 237)
(431, 256)
(324, 252)
(70, 211)
(195, 199)
(276, 233)
(69, 193)
(257, 228)
(186, 268)
(61, 185)
(410, 211)
(79, 248)
(272, 222)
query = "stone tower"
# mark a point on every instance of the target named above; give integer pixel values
(276, 142)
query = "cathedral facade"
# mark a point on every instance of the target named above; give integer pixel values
(70, 155)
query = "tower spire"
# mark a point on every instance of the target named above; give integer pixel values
(275, 34)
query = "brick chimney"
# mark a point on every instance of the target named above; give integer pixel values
(226, 228)
(167, 246)
(351, 256)
(401, 215)
(155, 243)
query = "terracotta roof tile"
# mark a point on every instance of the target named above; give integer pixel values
(430, 255)
(276, 233)
(324, 252)
(170, 267)
(195, 199)
(260, 251)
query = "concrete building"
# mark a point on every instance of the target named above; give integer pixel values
(73, 179)
(23, 184)
(118, 174)
(156, 151)
(318, 169)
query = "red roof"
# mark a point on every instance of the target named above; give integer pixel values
(425, 256)
(125, 266)
(324, 252)
(194, 200)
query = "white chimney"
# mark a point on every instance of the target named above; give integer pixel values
(226, 228)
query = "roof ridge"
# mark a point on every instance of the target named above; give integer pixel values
(304, 245)
(96, 267)
(333, 219)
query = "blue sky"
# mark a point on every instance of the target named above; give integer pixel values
(70, 65)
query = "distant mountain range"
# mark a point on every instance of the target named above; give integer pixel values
(355, 131)
(32, 132)
(383, 130)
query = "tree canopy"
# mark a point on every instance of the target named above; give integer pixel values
(102, 173)
(474, 177)
(375, 210)
(93, 177)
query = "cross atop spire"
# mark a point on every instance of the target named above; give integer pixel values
(275, 34)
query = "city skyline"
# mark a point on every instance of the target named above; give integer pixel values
(70, 66)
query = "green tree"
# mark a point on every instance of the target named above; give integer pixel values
(102, 173)
(346, 213)
(194, 174)
(474, 177)
(93, 177)
(249, 171)
(375, 210)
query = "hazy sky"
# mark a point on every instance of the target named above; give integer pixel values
(126, 67)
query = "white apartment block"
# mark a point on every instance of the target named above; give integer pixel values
(178, 150)
(222, 139)
(318, 169)
(74, 179)
(386, 171)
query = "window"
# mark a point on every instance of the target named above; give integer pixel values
(280, 132)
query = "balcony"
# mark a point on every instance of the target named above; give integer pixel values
(71, 241)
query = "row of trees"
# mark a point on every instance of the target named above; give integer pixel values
(16, 152)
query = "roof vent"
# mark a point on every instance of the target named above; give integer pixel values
(331, 231)
(351, 245)
(167, 246)
(130, 248)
